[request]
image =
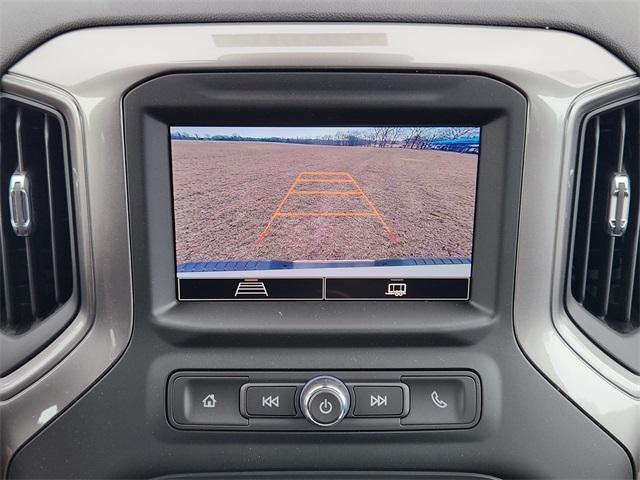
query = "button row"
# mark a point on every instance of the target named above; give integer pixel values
(235, 401)
(274, 400)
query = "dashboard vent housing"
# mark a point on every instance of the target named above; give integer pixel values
(604, 268)
(37, 260)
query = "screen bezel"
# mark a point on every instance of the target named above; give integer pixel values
(322, 98)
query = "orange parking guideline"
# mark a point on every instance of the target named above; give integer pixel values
(324, 181)
(322, 192)
(346, 178)
(275, 214)
(391, 235)
(327, 173)
(327, 214)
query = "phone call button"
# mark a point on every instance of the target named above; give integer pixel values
(441, 400)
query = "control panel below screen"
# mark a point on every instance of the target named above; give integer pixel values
(358, 400)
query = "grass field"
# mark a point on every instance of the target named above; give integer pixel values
(226, 193)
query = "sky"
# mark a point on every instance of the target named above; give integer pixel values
(262, 132)
(265, 132)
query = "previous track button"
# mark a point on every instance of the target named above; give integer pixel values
(270, 400)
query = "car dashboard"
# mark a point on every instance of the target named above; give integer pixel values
(307, 249)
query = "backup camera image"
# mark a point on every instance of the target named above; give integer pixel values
(253, 204)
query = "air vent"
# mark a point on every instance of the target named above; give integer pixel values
(37, 261)
(604, 265)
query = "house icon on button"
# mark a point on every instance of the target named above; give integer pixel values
(209, 401)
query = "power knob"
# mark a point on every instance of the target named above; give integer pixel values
(325, 401)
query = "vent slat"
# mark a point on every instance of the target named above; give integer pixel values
(52, 209)
(583, 259)
(19, 145)
(8, 247)
(604, 281)
(621, 139)
(635, 302)
(609, 242)
(604, 264)
(25, 142)
(630, 284)
(7, 284)
(32, 268)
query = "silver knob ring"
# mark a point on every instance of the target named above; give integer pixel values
(329, 385)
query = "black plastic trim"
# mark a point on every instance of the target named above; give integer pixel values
(328, 475)
(321, 98)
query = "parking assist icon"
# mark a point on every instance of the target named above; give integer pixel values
(251, 286)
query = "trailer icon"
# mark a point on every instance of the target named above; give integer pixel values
(396, 289)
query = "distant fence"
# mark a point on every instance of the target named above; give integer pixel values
(460, 145)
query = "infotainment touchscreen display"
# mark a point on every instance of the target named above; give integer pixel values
(324, 212)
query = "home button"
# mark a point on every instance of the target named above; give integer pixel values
(202, 400)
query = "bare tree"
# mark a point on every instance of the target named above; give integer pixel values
(380, 136)
(412, 137)
(451, 133)
(422, 137)
(394, 135)
(369, 136)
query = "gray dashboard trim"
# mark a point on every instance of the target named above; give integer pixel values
(37, 392)
(552, 341)
(92, 69)
(612, 23)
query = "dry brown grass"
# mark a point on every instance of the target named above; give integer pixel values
(226, 192)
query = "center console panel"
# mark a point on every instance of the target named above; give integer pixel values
(342, 400)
